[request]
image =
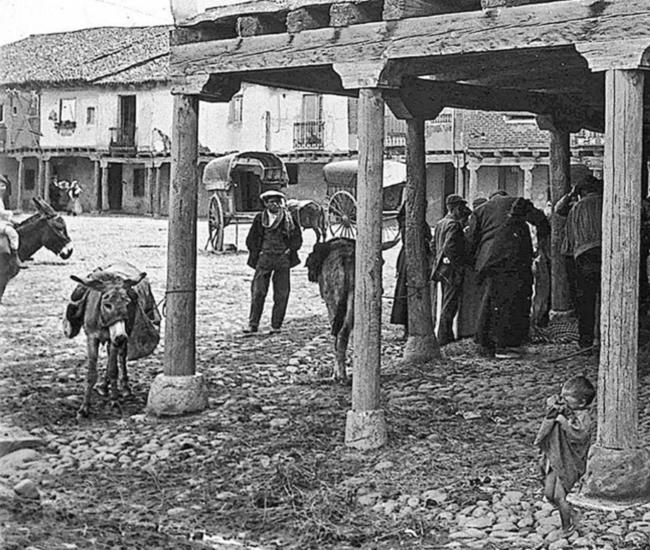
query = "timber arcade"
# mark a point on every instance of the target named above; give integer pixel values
(577, 64)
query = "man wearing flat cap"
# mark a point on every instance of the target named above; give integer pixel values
(273, 243)
(449, 263)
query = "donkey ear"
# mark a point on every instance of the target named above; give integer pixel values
(133, 282)
(93, 284)
(43, 207)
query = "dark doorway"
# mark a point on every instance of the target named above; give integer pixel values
(127, 120)
(249, 188)
(115, 186)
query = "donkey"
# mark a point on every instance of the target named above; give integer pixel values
(44, 229)
(331, 264)
(105, 303)
(309, 214)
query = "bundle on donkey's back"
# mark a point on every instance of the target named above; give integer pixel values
(115, 306)
(331, 264)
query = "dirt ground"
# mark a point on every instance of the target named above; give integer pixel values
(266, 466)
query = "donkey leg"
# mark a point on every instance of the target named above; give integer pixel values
(3, 284)
(126, 388)
(92, 345)
(111, 372)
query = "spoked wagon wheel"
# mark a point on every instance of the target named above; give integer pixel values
(342, 215)
(215, 224)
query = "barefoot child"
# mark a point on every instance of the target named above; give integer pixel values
(564, 438)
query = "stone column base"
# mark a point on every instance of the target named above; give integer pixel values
(620, 476)
(174, 395)
(365, 430)
(419, 349)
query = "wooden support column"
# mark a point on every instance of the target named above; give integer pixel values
(179, 389)
(472, 192)
(21, 183)
(559, 173)
(149, 188)
(560, 183)
(97, 185)
(157, 200)
(47, 177)
(527, 168)
(618, 469)
(421, 344)
(365, 426)
(105, 203)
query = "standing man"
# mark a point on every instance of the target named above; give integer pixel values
(449, 266)
(499, 240)
(583, 243)
(273, 243)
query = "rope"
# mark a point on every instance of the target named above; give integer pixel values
(167, 292)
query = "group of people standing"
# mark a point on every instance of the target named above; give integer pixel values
(482, 260)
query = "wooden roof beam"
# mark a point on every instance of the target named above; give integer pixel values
(425, 98)
(540, 25)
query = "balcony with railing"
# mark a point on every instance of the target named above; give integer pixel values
(394, 132)
(122, 140)
(308, 136)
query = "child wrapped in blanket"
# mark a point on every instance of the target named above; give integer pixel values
(564, 438)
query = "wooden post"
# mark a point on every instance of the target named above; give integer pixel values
(528, 179)
(472, 166)
(421, 344)
(617, 468)
(180, 390)
(157, 191)
(48, 179)
(21, 183)
(105, 204)
(149, 188)
(97, 185)
(560, 183)
(365, 427)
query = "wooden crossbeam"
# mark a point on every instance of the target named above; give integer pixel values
(541, 26)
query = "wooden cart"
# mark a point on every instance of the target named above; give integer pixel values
(236, 182)
(341, 180)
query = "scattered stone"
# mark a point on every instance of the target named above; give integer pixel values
(278, 422)
(434, 495)
(384, 465)
(13, 438)
(479, 523)
(468, 533)
(27, 489)
(368, 499)
(559, 543)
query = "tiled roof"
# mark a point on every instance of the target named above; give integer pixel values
(106, 55)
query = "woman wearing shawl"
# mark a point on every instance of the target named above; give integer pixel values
(273, 243)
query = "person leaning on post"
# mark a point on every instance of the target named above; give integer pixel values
(273, 243)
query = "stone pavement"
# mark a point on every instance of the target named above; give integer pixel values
(459, 459)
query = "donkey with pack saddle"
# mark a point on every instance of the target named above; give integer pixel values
(44, 229)
(115, 306)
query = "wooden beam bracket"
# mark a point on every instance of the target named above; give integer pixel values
(377, 74)
(622, 54)
(214, 88)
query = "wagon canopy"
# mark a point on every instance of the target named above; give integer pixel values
(343, 173)
(268, 167)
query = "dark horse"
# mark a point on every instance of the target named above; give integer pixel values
(309, 214)
(45, 228)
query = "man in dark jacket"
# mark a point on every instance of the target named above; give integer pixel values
(499, 239)
(449, 266)
(273, 243)
(583, 243)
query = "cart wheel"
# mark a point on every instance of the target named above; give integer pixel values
(389, 228)
(215, 225)
(342, 215)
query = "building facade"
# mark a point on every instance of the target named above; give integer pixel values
(96, 107)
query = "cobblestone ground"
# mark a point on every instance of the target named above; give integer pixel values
(265, 465)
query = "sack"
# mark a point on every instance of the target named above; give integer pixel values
(144, 337)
